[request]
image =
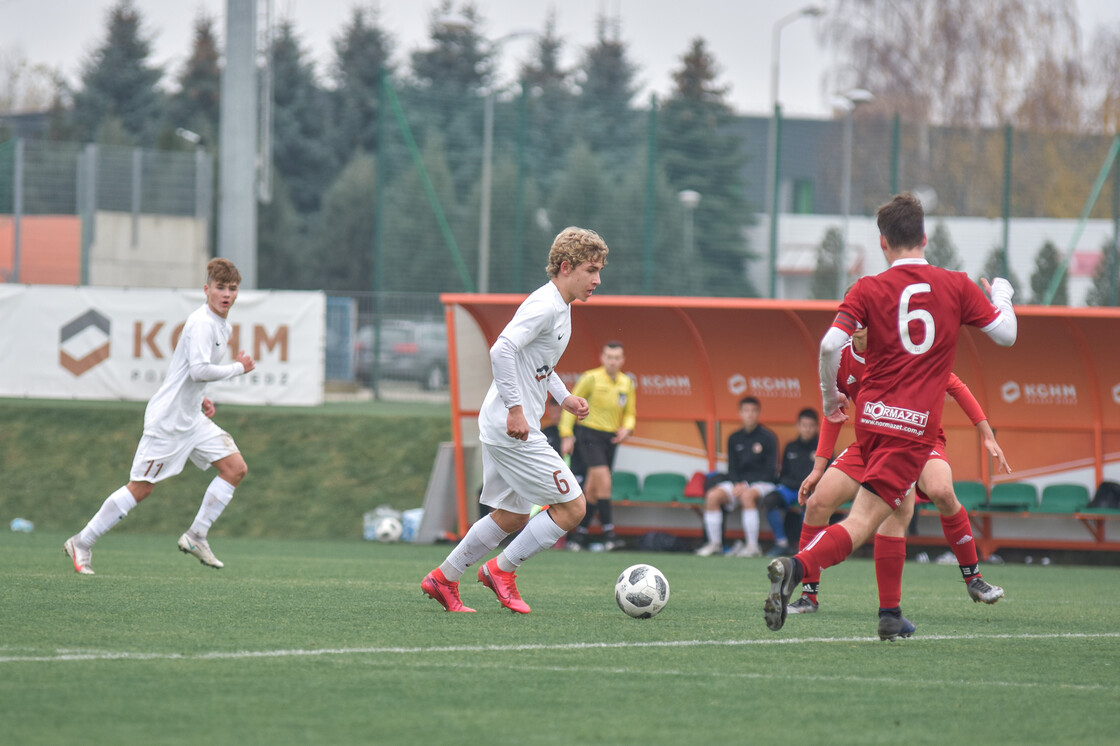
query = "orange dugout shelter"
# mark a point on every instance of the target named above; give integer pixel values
(1053, 399)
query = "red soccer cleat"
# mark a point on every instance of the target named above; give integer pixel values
(504, 585)
(443, 590)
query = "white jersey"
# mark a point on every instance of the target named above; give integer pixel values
(539, 333)
(176, 409)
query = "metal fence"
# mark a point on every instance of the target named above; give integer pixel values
(48, 178)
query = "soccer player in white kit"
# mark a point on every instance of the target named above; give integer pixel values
(519, 468)
(177, 426)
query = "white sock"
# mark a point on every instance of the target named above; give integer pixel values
(115, 507)
(713, 526)
(217, 497)
(480, 540)
(539, 534)
(750, 526)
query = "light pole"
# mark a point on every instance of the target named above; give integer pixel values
(848, 102)
(811, 11)
(689, 200)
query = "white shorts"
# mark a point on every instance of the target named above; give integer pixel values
(158, 458)
(764, 489)
(532, 473)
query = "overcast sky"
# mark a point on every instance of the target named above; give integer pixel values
(62, 33)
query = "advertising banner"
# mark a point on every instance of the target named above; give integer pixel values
(116, 343)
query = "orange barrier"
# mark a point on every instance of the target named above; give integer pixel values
(50, 249)
(1053, 398)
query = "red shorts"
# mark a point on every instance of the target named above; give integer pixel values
(892, 465)
(850, 462)
(937, 452)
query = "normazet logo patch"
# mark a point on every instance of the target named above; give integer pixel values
(83, 342)
(1039, 393)
(881, 412)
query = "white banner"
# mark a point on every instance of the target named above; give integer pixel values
(112, 343)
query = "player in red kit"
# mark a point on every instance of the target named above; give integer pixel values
(829, 486)
(913, 312)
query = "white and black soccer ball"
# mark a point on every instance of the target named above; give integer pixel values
(388, 528)
(641, 591)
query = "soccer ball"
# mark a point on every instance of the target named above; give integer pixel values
(641, 591)
(388, 528)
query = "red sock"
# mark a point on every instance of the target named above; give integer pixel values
(831, 547)
(958, 532)
(808, 533)
(890, 556)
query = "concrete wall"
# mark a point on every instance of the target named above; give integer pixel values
(165, 251)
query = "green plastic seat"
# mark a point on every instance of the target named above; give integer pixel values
(624, 485)
(1012, 496)
(1062, 498)
(663, 487)
(970, 494)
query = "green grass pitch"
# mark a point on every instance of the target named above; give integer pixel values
(332, 642)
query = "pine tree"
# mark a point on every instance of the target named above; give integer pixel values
(196, 105)
(1106, 279)
(445, 93)
(699, 154)
(301, 123)
(417, 257)
(606, 121)
(281, 244)
(118, 83)
(828, 262)
(550, 107)
(345, 236)
(1046, 264)
(361, 53)
(941, 251)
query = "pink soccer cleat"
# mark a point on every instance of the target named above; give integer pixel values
(504, 585)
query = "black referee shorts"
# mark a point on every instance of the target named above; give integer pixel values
(594, 447)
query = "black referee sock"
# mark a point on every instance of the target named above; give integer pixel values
(605, 512)
(588, 518)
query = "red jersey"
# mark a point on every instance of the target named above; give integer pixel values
(848, 379)
(914, 312)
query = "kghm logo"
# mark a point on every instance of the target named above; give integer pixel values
(879, 411)
(664, 385)
(739, 384)
(1039, 393)
(84, 342)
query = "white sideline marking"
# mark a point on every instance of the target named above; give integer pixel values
(64, 656)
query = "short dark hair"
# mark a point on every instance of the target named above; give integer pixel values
(809, 414)
(614, 344)
(749, 400)
(902, 221)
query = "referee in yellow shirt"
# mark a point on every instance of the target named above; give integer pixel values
(610, 395)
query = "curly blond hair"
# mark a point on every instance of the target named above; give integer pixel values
(576, 246)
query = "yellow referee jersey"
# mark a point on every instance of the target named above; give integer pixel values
(611, 402)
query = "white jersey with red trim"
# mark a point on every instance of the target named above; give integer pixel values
(539, 332)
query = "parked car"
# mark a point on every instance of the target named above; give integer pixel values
(410, 351)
